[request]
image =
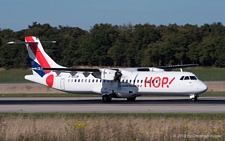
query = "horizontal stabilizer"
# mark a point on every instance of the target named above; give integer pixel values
(43, 42)
(48, 42)
(13, 43)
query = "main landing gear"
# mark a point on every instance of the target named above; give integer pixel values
(194, 97)
(106, 98)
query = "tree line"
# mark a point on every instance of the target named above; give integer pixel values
(140, 45)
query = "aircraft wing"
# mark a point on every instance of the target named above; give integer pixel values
(113, 73)
(168, 68)
(91, 70)
(96, 70)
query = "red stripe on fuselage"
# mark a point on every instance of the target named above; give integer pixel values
(40, 57)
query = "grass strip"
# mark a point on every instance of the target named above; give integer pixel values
(111, 127)
(118, 115)
(14, 76)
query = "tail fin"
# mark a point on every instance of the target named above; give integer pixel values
(38, 60)
(38, 57)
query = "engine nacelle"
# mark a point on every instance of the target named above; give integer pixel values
(126, 93)
(108, 74)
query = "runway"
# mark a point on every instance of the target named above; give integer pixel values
(95, 105)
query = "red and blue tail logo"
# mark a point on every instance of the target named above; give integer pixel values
(36, 67)
(38, 58)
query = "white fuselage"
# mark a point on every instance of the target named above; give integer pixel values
(131, 84)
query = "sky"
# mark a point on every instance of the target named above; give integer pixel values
(18, 14)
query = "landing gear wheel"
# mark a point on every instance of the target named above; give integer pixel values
(106, 98)
(131, 99)
(195, 98)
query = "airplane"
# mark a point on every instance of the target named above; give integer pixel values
(110, 83)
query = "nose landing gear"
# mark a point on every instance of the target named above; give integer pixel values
(194, 97)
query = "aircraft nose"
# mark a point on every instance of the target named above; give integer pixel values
(203, 87)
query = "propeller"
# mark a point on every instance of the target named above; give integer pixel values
(117, 76)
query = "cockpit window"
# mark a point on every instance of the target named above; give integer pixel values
(193, 77)
(186, 78)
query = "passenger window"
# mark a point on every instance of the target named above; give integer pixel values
(68, 80)
(75, 80)
(89, 80)
(85, 80)
(126, 81)
(78, 80)
(100, 81)
(81, 80)
(137, 81)
(130, 81)
(96, 80)
(93, 80)
(141, 81)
